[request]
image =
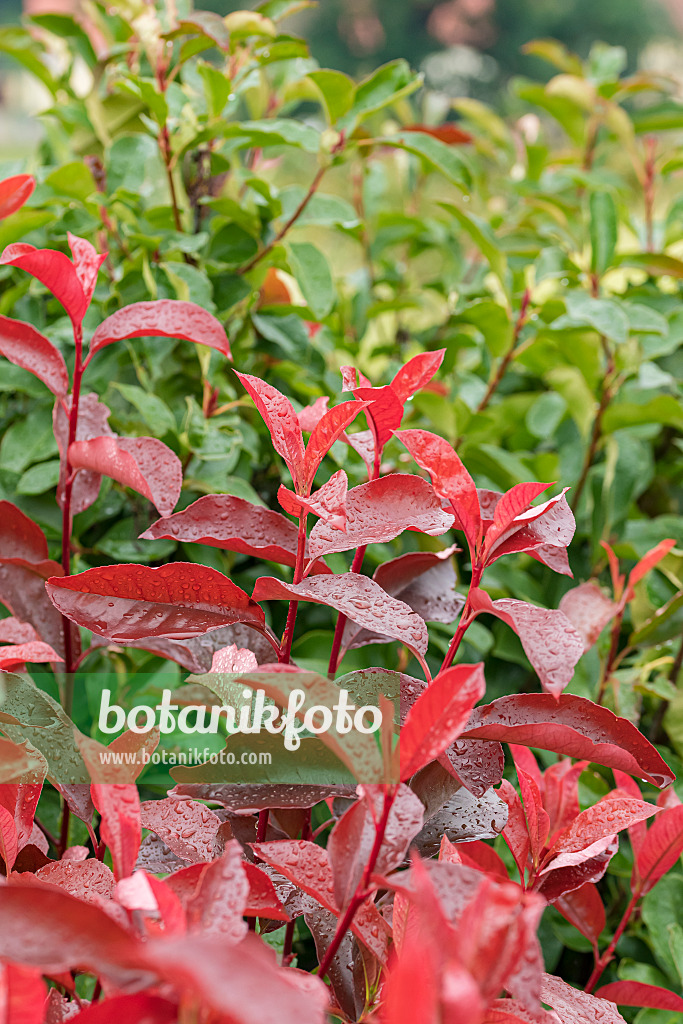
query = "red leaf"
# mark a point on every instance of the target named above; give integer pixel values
(310, 415)
(357, 597)
(165, 318)
(283, 424)
(417, 372)
(477, 764)
(87, 262)
(33, 652)
(89, 880)
(141, 1007)
(234, 524)
(22, 995)
(516, 832)
(384, 412)
(570, 725)
(648, 562)
(538, 823)
(93, 418)
(584, 909)
(24, 346)
(544, 532)
(511, 505)
(550, 642)
(589, 610)
(188, 828)
(328, 502)
(262, 899)
(448, 133)
(449, 477)
(353, 378)
(12, 631)
(56, 271)
(575, 1007)
(20, 537)
(120, 829)
(606, 818)
(439, 715)
(638, 993)
(561, 792)
(557, 882)
(660, 848)
(233, 659)
(221, 898)
(144, 464)
(380, 510)
(9, 842)
(14, 192)
(478, 855)
(326, 431)
(130, 602)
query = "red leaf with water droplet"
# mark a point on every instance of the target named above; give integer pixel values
(578, 869)
(89, 880)
(660, 848)
(188, 828)
(144, 464)
(439, 715)
(561, 792)
(538, 822)
(355, 596)
(648, 562)
(120, 828)
(93, 418)
(380, 510)
(514, 503)
(13, 631)
(417, 372)
(384, 412)
(328, 502)
(14, 192)
(589, 610)
(610, 815)
(18, 654)
(87, 262)
(233, 659)
(575, 1007)
(164, 318)
(449, 477)
(570, 725)
(326, 431)
(310, 415)
(550, 642)
(516, 832)
(130, 602)
(234, 524)
(283, 424)
(24, 346)
(585, 910)
(219, 903)
(543, 531)
(22, 994)
(638, 993)
(353, 378)
(55, 270)
(9, 842)
(262, 899)
(142, 1007)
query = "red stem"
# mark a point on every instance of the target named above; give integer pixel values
(285, 228)
(288, 635)
(341, 619)
(465, 622)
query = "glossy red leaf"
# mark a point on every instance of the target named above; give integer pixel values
(89, 880)
(283, 425)
(439, 715)
(543, 531)
(120, 828)
(326, 431)
(550, 642)
(9, 841)
(589, 610)
(234, 659)
(328, 502)
(449, 477)
(93, 418)
(638, 993)
(144, 464)
(14, 192)
(188, 828)
(12, 631)
(610, 815)
(22, 995)
(380, 510)
(312, 414)
(660, 848)
(585, 910)
(417, 372)
(353, 378)
(24, 346)
(224, 521)
(538, 822)
(142, 1007)
(384, 412)
(221, 897)
(130, 602)
(579, 869)
(516, 832)
(561, 792)
(649, 561)
(448, 133)
(55, 270)
(477, 764)
(20, 537)
(513, 503)
(164, 318)
(87, 262)
(21, 798)
(18, 654)
(196, 654)
(357, 597)
(576, 1007)
(570, 725)
(262, 898)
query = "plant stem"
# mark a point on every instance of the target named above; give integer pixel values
(609, 952)
(69, 666)
(288, 635)
(312, 189)
(165, 146)
(361, 893)
(495, 381)
(341, 619)
(606, 396)
(466, 619)
(609, 661)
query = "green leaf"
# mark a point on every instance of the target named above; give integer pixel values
(321, 209)
(21, 45)
(310, 268)
(658, 264)
(554, 53)
(73, 180)
(277, 10)
(662, 409)
(217, 87)
(546, 414)
(662, 907)
(275, 132)
(663, 625)
(603, 231)
(190, 284)
(448, 160)
(66, 27)
(122, 544)
(606, 316)
(40, 478)
(155, 413)
(484, 239)
(383, 87)
(232, 245)
(336, 90)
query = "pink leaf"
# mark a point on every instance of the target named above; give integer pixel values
(585, 910)
(130, 602)
(12, 631)
(417, 372)
(165, 318)
(34, 652)
(328, 502)
(221, 898)
(233, 659)
(188, 828)
(24, 346)
(357, 597)
(87, 262)
(439, 715)
(589, 610)
(638, 993)
(14, 192)
(384, 412)
(55, 271)
(544, 532)
(575, 1007)
(449, 477)
(570, 725)
(120, 829)
(538, 823)
(9, 842)
(142, 463)
(577, 871)
(310, 415)
(660, 848)
(326, 431)
(353, 378)
(22, 994)
(93, 418)
(283, 424)
(612, 814)
(89, 880)
(511, 505)
(550, 642)
(234, 524)
(380, 510)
